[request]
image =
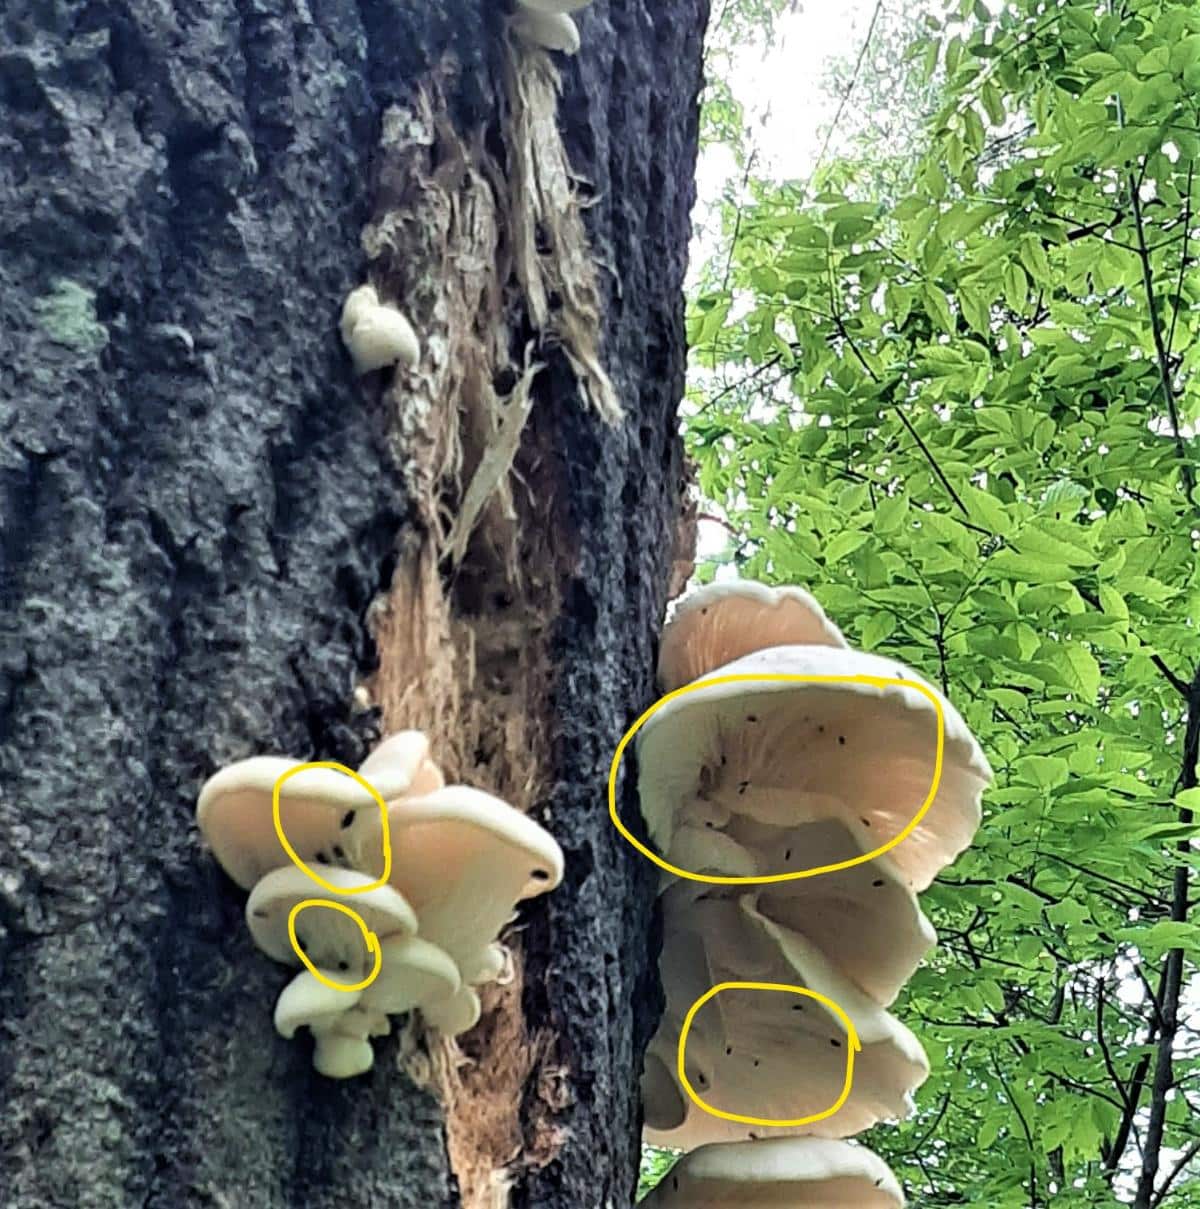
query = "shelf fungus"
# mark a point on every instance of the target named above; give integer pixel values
(809, 767)
(778, 1173)
(422, 940)
(825, 746)
(767, 1054)
(376, 333)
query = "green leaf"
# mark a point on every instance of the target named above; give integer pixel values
(878, 627)
(844, 544)
(938, 308)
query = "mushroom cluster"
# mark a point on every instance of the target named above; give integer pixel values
(461, 861)
(818, 758)
(548, 24)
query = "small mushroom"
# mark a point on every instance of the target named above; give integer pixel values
(719, 623)
(306, 1002)
(551, 31)
(778, 1173)
(321, 809)
(413, 973)
(330, 938)
(339, 1023)
(488, 966)
(464, 859)
(339, 1055)
(453, 1015)
(798, 751)
(553, 6)
(376, 334)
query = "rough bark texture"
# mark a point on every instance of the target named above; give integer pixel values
(198, 503)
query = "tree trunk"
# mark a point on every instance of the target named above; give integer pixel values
(215, 541)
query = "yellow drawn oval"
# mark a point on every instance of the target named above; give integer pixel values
(854, 1047)
(371, 939)
(878, 681)
(287, 847)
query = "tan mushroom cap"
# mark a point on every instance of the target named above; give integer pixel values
(866, 920)
(464, 859)
(330, 938)
(719, 623)
(791, 752)
(771, 1054)
(778, 1173)
(322, 810)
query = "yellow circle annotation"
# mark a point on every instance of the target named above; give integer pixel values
(877, 681)
(298, 860)
(371, 939)
(854, 1047)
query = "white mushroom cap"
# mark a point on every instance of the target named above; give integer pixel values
(553, 6)
(339, 1023)
(865, 919)
(464, 859)
(453, 1015)
(488, 966)
(719, 623)
(404, 758)
(791, 752)
(381, 337)
(553, 31)
(306, 1002)
(778, 1173)
(339, 1055)
(331, 939)
(322, 810)
(359, 302)
(769, 1054)
(413, 972)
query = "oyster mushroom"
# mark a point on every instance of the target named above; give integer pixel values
(464, 859)
(323, 811)
(330, 938)
(551, 31)
(778, 1173)
(864, 919)
(791, 752)
(376, 334)
(770, 1054)
(719, 623)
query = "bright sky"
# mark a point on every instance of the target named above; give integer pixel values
(786, 88)
(788, 111)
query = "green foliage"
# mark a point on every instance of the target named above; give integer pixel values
(961, 413)
(656, 1162)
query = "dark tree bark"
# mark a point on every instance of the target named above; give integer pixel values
(199, 504)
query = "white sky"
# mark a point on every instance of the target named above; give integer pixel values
(788, 112)
(785, 88)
